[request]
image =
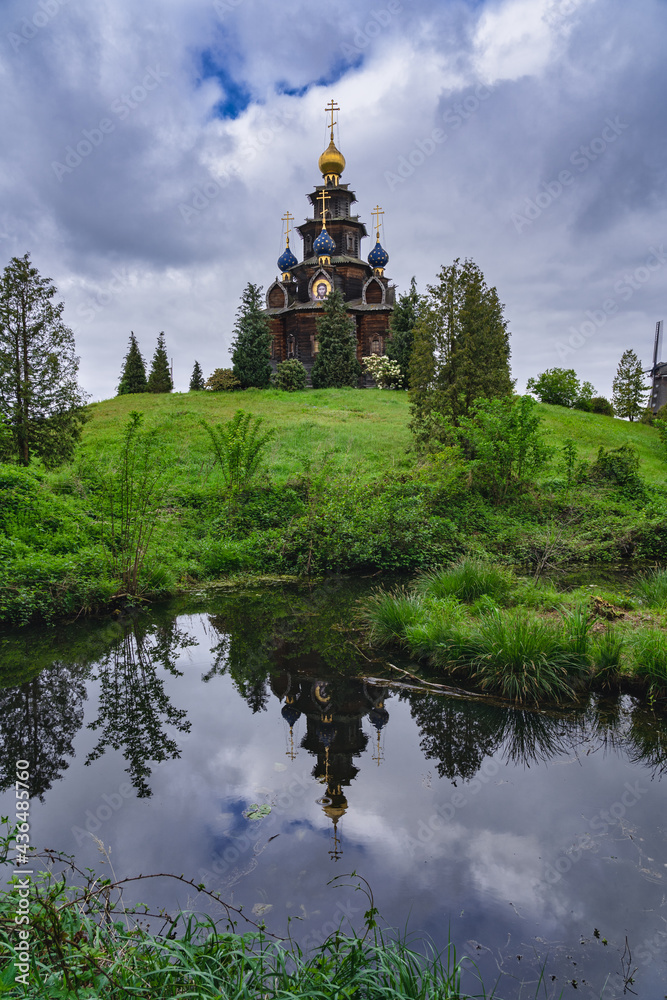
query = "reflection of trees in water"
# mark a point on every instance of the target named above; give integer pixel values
(38, 722)
(134, 707)
(646, 740)
(459, 734)
(260, 632)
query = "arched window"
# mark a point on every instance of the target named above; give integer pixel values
(376, 346)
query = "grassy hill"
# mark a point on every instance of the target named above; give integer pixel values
(360, 430)
(343, 494)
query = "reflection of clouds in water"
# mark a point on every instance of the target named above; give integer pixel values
(505, 865)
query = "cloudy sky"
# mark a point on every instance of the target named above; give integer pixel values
(151, 149)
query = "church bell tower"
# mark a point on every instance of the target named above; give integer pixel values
(331, 258)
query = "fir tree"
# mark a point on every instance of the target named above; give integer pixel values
(251, 347)
(461, 351)
(41, 404)
(401, 329)
(159, 379)
(336, 364)
(133, 375)
(197, 381)
(629, 396)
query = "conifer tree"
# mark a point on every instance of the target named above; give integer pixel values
(401, 328)
(41, 404)
(629, 395)
(197, 381)
(251, 347)
(462, 325)
(159, 379)
(133, 375)
(336, 364)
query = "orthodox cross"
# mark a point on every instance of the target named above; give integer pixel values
(331, 107)
(287, 218)
(377, 211)
(324, 195)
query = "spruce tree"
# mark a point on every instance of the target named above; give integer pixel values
(251, 347)
(159, 379)
(401, 329)
(464, 327)
(197, 381)
(629, 396)
(336, 364)
(133, 375)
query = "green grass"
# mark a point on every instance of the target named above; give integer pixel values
(651, 588)
(590, 430)
(365, 429)
(468, 580)
(339, 492)
(541, 647)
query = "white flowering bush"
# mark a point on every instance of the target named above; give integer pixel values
(386, 373)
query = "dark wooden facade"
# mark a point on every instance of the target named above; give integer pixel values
(292, 305)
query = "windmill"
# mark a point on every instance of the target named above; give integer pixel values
(658, 373)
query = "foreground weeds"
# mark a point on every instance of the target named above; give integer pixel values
(85, 944)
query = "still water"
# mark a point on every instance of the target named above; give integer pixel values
(535, 840)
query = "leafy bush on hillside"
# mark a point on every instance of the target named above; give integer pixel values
(290, 376)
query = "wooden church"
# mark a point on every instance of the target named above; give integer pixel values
(331, 258)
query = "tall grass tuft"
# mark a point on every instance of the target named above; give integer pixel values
(441, 634)
(651, 588)
(606, 657)
(386, 615)
(468, 580)
(649, 651)
(526, 659)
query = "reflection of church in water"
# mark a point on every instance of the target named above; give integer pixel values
(333, 710)
(331, 259)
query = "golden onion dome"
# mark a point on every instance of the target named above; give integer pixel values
(332, 161)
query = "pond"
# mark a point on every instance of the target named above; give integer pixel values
(243, 740)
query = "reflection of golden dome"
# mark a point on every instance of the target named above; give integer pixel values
(332, 161)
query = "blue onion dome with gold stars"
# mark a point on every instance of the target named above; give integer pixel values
(378, 256)
(324, 246)
(290, 714)
(287, 260)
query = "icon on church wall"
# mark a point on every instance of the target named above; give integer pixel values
(320, 289)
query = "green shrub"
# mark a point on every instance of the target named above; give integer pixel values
(598, 404)
(290, 375)
(617, 465)
(468, 580)
(239, 446)
(223, 380)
